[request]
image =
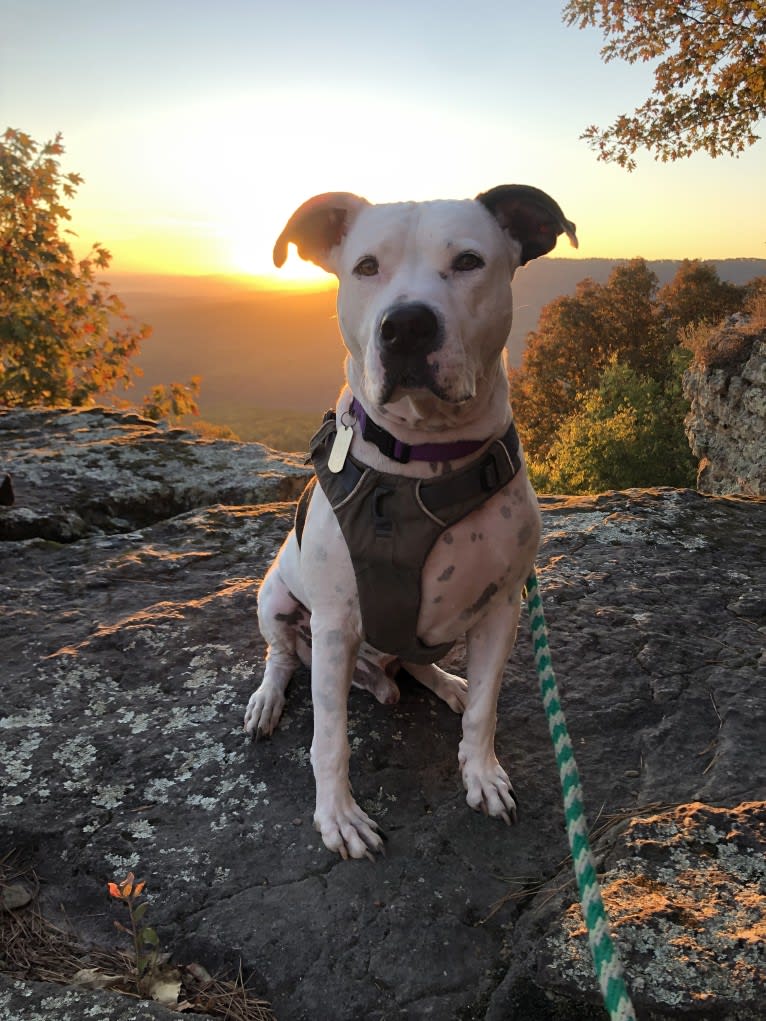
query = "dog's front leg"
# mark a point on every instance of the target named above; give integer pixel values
(489, 644)
(344, 827)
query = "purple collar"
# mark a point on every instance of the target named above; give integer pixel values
(403, 452)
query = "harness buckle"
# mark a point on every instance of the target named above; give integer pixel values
(387, 444)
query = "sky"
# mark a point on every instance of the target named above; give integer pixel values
(200, 126)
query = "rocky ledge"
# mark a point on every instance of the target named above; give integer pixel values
(726, 424)
(129, 568)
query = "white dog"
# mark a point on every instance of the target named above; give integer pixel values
(423, 526)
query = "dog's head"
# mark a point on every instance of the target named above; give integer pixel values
(424, 301)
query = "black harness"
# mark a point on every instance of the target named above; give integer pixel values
(390, 524)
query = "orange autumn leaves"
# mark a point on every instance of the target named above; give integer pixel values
(127, 889)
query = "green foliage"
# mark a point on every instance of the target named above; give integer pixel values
(63, 336)
(172, 401)
(628, 431)
(575, 339)
(709, 82)
(598, 397)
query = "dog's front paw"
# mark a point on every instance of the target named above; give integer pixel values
(488, 788)
(264, 710)
(451, 689)
(448, 687)
(346, 829)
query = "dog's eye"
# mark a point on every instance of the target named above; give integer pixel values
(366, 267)
(467, 261)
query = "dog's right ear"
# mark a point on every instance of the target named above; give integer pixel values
(316, 227)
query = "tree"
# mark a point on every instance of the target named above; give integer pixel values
(627, 431)
(709, 80)
(575, 339)
(696, 295)
(63, 336)
(598, 396)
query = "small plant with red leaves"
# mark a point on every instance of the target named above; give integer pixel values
(146, 943)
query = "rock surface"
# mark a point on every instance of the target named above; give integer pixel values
(128, 576)
(726, 424)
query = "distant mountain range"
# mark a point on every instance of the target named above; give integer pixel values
(282, 349)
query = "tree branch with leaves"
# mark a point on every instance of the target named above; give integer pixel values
(64, 337)
(709, 80)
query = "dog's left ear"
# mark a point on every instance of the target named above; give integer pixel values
(318, 226)
(530, 216)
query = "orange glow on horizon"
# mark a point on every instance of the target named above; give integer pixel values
(273, 282)
(294, 275)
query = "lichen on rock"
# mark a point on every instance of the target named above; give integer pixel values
(130, 647)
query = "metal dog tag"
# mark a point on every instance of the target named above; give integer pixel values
(340, 448)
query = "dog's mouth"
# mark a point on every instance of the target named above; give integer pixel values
(400, 385)
(409, 379)
(410, 341)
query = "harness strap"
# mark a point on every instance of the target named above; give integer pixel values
(301, 511)
(481, 479)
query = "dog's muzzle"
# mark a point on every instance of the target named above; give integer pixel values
(406, 336)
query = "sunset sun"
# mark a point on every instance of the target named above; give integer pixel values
(245, 258)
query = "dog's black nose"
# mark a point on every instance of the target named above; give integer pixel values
(409, 329)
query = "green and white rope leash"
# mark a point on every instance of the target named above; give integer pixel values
(605, 958)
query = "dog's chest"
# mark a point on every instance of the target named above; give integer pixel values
(481, 559)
